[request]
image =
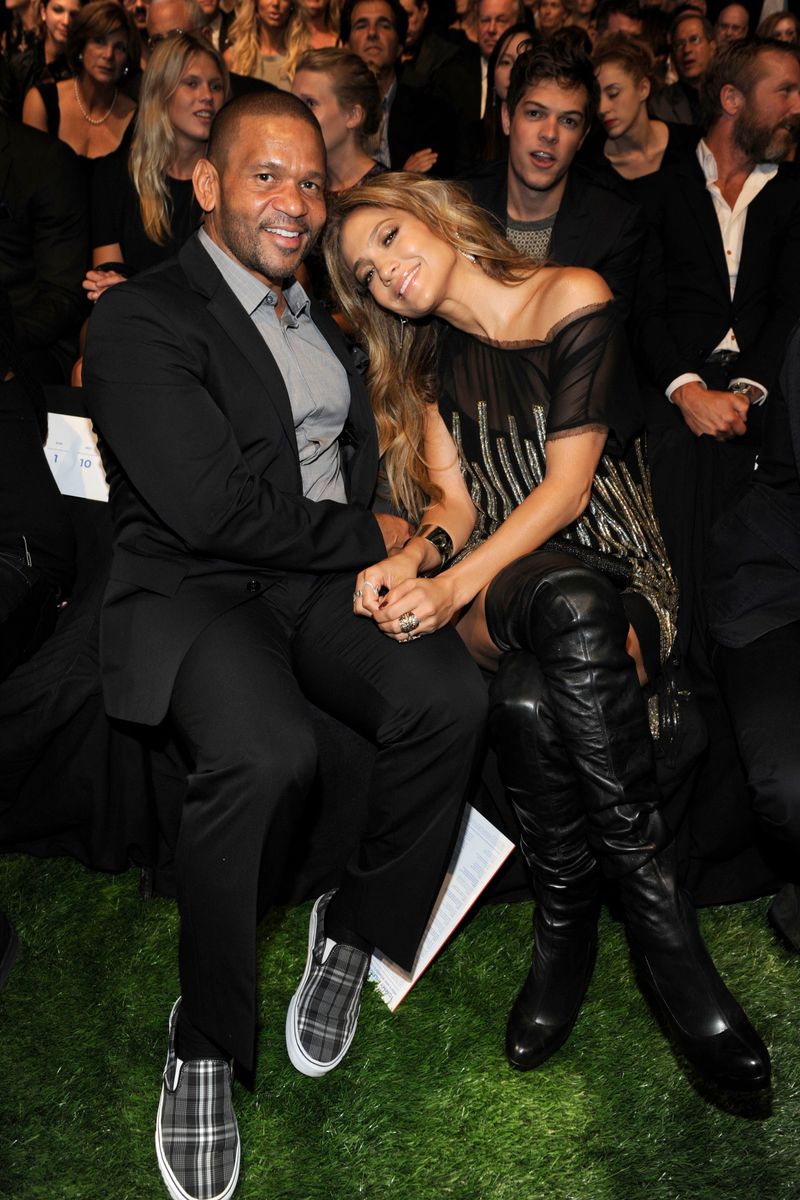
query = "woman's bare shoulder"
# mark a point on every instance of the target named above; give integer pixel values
(562, 291)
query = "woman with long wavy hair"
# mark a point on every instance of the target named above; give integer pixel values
(143, 207)
(258, 41)
(561, 586)
(313, 26)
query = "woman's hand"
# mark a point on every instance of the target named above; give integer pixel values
(96, 283)
(388, 574)
(433, 602)
(421, 160)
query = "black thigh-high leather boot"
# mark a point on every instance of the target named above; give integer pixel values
(566, 881)
(573, 620)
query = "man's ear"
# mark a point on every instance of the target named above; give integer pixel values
(505, 118)
(731, 100)
(205, 180)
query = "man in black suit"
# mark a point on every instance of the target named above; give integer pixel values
(720, 291)
(44, 247)
(546, 205)
(241, 455)
(462, 84)
(415, 135)
(691, 38)
(424, 51)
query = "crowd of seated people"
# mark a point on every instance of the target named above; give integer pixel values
(653, 146)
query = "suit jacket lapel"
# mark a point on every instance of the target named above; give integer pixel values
(229, 313)
(571, 220)
(760, 218)
(701, 206)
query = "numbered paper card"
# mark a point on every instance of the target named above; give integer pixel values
(74, 459)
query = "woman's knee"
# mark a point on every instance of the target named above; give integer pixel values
(551, 593)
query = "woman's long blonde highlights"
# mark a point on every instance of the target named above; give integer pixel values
(402, 356)
(154, 143)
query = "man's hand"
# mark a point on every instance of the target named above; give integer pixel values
(394, 530)
(721, 415)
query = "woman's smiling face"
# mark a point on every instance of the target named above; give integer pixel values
(396, 257)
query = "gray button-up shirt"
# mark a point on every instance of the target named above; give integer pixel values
(316, 381)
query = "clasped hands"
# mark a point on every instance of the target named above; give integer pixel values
(721, 415)
(391, 589)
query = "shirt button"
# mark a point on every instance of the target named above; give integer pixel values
(253, 585)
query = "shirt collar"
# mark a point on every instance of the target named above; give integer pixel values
(249, 291)
(708, 164)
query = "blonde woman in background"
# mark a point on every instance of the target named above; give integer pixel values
(314, 26)
(143, 209)
(258, 41)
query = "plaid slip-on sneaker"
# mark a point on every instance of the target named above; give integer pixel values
(323, 1012)
(197, 1139)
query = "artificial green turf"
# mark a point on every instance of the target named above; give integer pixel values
(424, 1108)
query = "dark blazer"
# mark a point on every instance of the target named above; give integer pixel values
(684, 307)
(415, 123)
(458, 83)
(596, 226)
(753, 572)
(456, 87)
(44, 235)
(432, 54)
(675, 104)
(198, 441)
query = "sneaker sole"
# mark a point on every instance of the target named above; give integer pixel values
(297, 1055)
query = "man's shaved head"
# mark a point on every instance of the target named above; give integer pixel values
(263, 105)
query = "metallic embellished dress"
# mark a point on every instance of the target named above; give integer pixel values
(503, 401)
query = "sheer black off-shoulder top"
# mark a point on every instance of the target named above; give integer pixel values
(504, 401)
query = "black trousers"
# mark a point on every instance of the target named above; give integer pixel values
(761, 686)
(238, 708)
(27, 611)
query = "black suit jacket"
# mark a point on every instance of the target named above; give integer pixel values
(199, 445)
(456, 87)
(674, 104)
(415, 123)
(44, 235)
(596, 226)
(684, 306)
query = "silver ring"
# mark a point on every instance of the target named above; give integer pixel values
(357, 595)
(369, 583)
(408, 622)
(412, 637)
